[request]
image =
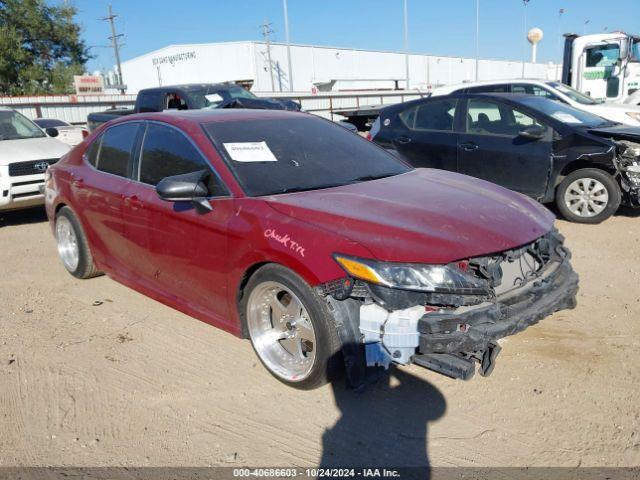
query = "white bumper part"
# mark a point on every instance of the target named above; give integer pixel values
(390, 336)
(18, 192)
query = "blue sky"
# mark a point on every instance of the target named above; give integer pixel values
(435, 26)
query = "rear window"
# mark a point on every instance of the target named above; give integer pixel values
(149, 102)
(302, 152)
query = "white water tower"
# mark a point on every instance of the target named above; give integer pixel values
(534, 36)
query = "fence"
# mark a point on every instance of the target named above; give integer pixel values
(75, 108)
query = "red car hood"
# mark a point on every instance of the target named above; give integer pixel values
(423, 216)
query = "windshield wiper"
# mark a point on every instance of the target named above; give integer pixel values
(366, 178)
(306, 189)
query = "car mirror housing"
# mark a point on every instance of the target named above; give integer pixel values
(532, 132)
(189, 187)
(52, 132)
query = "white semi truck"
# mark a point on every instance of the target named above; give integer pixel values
(604, 66)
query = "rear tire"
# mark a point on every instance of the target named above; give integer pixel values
(588, 195)
(73, 247)
(290, 328)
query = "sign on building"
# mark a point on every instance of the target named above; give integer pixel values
(88, 84)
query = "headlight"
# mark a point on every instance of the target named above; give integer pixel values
(419, 277)
(634, 115)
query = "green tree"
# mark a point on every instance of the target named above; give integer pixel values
(40, 47)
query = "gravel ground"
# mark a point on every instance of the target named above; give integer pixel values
(94, 374)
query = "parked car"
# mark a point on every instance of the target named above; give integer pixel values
(616, 112)
(291, 231)
(65, 132)
(25, 154)
(193, 97)
(536, 146)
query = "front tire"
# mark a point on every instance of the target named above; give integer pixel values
(588, 195)
(290, 328)
(73, 247)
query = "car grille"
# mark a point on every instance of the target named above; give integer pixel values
(33, 167)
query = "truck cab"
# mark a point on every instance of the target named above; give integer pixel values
(604, 66)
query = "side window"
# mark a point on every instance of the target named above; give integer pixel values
(116, 147)
(432, 115)
(150, 102)
(490, 118)
(167, 152)
(91, 154)
(408, 117)
(504, 88)
(533, 90)
(603, 55)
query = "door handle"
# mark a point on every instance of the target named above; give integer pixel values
(402, 140)
(77, 183)
(468, 146)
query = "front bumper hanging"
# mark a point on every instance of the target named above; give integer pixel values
(452, 343)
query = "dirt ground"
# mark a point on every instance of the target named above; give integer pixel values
(128, 381)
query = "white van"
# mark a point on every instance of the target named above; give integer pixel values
(26, 152)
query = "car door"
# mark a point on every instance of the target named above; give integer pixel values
(174, 248)
(425, 135)
(98, 189)
(491, 148)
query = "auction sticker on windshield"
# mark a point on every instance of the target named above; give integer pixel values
(250, 152)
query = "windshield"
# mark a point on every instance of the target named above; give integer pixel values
(269, 156)
(214, 95)
(14, 126)
(564, 113)
(573, 94)
(50, 123)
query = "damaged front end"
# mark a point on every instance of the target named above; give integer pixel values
(447, 318)
(627, 162)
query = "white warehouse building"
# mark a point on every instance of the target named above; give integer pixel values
(313, 68)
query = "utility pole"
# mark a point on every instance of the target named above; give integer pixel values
(477, 37)
(406, 44)
(266, 31)
(524, 53)
(286, 33)
(116, 47)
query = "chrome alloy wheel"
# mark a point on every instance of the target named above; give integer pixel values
(281, 331)
(67, 243)
(586, 197)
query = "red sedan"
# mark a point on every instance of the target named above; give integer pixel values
(320, 247)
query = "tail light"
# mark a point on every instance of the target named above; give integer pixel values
(369, 136)
(85, 133)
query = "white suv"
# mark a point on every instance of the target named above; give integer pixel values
(26, 152)
(615, 112)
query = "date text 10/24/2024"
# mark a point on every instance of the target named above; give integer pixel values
(317, 472)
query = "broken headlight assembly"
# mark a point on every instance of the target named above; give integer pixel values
(415, 277)
(629, 162)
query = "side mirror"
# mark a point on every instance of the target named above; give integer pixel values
(532, 132)
(624, 49)
(52, 132)
(189, 187)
